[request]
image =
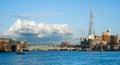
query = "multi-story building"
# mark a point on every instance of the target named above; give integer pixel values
(5, 45)
(110, 38)
(65, 44)
(106, 36)
(114, 38)
(8, 45)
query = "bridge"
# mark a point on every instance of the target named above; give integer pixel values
(45, 48)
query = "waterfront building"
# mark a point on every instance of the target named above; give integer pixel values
(110, 38)
(106, 36)
(9, 45)
(115, 39)
(65, 44)
(5, 45)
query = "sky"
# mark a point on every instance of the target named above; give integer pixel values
(74, 14)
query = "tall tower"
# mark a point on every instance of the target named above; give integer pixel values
(91, 24)
(91, 33)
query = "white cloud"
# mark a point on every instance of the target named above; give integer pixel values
(51, 14)
(34, 15)
(24, 28)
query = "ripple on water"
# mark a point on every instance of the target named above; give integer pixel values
(60, 58)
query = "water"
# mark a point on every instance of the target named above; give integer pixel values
(60, 58)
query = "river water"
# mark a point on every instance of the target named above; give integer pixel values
(60, 58)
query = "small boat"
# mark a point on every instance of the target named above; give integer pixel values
(20, 53)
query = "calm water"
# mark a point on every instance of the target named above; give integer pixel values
(60, 58)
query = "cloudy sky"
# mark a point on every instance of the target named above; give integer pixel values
(51, 21)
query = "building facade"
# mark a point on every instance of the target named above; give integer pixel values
(9, 45)
(5, 45)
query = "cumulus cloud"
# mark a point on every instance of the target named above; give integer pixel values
(33, 31)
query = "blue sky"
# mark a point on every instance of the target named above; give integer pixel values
(74, 13)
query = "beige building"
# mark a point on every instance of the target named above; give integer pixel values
(5, 44)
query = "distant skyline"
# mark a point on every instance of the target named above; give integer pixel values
(74, 13)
